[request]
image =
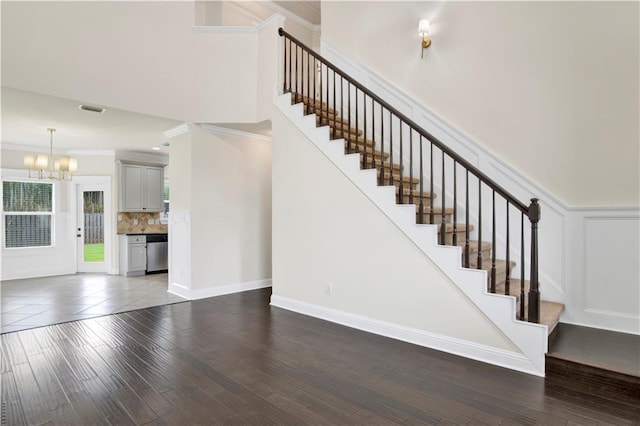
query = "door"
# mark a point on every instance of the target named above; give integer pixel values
(92, 228)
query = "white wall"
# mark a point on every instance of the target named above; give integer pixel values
(549, 87)
(137, 56)
(569, 273)
(327, 232)
(220, 218)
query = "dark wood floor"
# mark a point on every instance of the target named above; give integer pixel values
(608, 350)
(235, 360)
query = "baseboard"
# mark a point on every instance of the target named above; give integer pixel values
(478, 352)
(213, 291)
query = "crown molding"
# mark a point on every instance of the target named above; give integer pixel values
(290, 15)
(178, 130)
(223, 29)
(224, 131)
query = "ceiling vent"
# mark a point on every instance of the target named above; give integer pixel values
(92, 108)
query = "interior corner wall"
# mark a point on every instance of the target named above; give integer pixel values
(180, 216)
(519, 78)
(326, 232)
(231, 210)
(220, 221)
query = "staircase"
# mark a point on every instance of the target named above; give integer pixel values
(433, 188)
(455, 233)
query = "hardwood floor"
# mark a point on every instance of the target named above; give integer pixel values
(235, 360)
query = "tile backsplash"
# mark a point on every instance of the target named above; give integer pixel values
(126, 223)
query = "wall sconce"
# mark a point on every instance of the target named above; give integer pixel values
(423, 31)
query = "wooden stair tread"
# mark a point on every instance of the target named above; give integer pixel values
(346, 132)
(437, 211)
(416, 192)
(359, 140)
(381, 164)
(396, 177)
(550, 314)
(473, 246)
(460, 227)
(354, 150)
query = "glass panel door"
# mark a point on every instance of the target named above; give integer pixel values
(92, 227)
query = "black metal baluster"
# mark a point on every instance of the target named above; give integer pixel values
(493, 244)
(290, 61)
(455, 204)
(314, 70)
(373, 135)
(522, 295)
(381, 181)
(411, 164)
(479, 265)
(534, 293)
(324, 108)
(466, 223)
(296, 75)
(357, 120)
(507, 282)
(284, 62)
(349, 114)
(401, 182)
(421, 207)
(443, 222)
(308, 82)
(341, 104)
(431, 216)
(391, 156)
(315, 107)
(334, 105)
(364, 119)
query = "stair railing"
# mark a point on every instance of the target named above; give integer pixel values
(389, 136)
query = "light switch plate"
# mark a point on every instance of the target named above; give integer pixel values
(135, 221)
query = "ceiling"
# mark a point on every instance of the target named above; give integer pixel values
(307, 10)
(26, 117)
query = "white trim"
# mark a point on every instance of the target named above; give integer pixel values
(479, 352)
(31, 148)
(290, 15)
(223, 29)
(244, 29)
(219, 290)
(224, 131)
(177, 130)
(98, 153)
(530, 338)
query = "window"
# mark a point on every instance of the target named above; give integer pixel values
(28, 214)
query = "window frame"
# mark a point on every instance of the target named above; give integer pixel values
(52, 213)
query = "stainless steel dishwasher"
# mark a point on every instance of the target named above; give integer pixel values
(157, 253)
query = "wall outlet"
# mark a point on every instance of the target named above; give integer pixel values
(328, 289)
(119, 218)
(135, 222)
(150, 221)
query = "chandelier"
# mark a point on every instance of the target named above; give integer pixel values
(47, 167)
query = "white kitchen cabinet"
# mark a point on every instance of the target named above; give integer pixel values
(133, 255)
(141, 188)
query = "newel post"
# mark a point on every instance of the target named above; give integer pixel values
(534, 292)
